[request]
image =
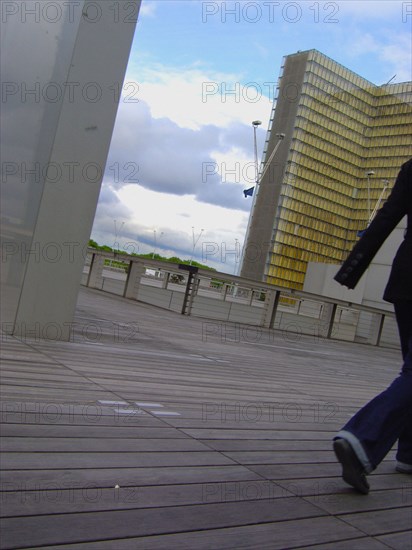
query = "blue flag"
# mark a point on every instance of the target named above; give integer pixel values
(248, 192)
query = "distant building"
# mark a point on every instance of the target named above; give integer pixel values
(345, 140)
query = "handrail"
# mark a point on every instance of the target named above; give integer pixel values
(259, 304)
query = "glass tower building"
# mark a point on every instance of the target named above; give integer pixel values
(344, 142)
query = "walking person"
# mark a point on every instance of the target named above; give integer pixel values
(370, 434)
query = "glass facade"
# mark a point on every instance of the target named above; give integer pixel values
(341, 128)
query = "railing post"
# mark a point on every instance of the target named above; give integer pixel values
(190, 287)
(269, 313)
(326, 323)
(330, 310)
(380, 329)
(95, 278)
(274, 309)
(134, 277)
(375, 329)
(166, 279)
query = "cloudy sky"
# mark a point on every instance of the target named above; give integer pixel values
(199, 73)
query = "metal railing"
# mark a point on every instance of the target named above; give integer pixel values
(227, 298)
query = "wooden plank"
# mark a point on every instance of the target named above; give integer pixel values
(92, 416)
(278, 472)
(56, 461)
(52, 395)
(336, 491)
(42, 367)
(364, 543)
(41, 383)
(90, 445)
(381, 522)
(276, 536)
(257, 434)
(127, 477)
(241, 424)
(398, 541)
(69, 528)
(303, 456)
(45, 499)
(101, 431)
(274, 445)
(337, 503)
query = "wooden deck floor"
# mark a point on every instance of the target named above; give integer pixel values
(151, 430)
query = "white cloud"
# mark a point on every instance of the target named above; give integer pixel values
(210, 163)
(165, 211)
(192, 97)
(147, 9)
(235, 165)
(394, 51)
(362, 43)
(398, 55)
(186, 143)
(169, 223)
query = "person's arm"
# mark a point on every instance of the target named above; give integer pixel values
(387, 218)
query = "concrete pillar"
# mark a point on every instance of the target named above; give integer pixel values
(95, 278)
(74, 141)
(270, 308)
(326, 320)
(166, 277)
(375, 328)
(134, 277)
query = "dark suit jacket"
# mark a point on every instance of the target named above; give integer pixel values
(398, 205)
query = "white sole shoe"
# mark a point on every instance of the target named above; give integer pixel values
(403, 468)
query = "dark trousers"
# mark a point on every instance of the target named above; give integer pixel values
(388, 417)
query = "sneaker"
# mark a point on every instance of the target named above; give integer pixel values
(403, 468)
(353, 473)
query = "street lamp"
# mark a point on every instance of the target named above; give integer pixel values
(378, 203)
(116, 244)
(116, 233)
(255, 125)
(195, 241)
(267, 163)
(237, 256)
(369, 174)
(155, 242)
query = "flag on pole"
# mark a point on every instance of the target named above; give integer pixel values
(248, 192)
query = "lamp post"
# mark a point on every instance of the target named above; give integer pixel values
(116, 233)
(155, 242)
(369, 173)
(195, 241)
(378, 203)
(237, 256)
(280, 137)
(255, 125)
(273, 153)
